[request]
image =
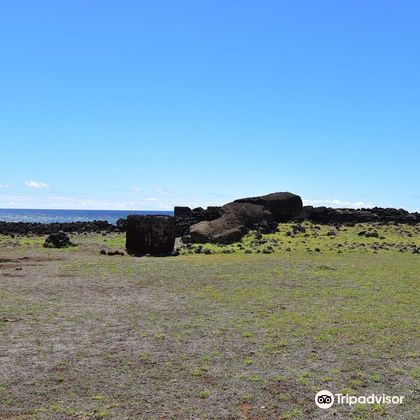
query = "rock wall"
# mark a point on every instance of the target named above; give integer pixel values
(21, 228)
(328, 215)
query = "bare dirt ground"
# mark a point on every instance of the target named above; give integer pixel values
(224, 336)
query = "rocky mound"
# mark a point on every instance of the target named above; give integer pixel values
(185, 217)
(57, 240)
(282, 205)
(236, 220)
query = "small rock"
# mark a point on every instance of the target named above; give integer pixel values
(112, 253)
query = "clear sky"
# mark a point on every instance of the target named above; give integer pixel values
(147, 104)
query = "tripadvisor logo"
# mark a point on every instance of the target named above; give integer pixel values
(325, 399)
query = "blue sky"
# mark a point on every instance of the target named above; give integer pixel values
(150, 104)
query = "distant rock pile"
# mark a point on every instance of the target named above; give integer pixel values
(328, 215)
(21, 228)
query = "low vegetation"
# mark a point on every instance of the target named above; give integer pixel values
(252, 331)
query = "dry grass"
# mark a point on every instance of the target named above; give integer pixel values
(206, 336)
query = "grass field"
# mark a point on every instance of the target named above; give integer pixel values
(253, 331)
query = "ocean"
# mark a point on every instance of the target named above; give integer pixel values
(52, 216)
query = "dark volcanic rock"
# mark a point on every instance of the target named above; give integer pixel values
(330, 215)
(57, 240)
(112, 253)
(182, 211)
(154, 235)
(236, 220)
(22, 228)
(373, 234)
(252, 216)
(122, 224)
(283, 205)
(184, 218)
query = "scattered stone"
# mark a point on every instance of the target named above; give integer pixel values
(298, 229)
(186, 239)
(112, 253)
(197, 250)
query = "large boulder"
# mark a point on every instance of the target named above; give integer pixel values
(283, 205)
(236, 220)
(153, 235)
(57, 240)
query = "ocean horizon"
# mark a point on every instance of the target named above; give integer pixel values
(70, 215)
